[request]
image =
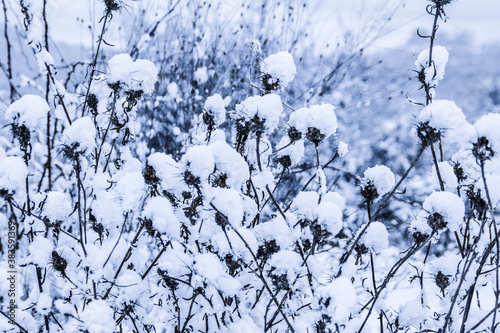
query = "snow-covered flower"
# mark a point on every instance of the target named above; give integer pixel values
(316, 123)
(377, 181)
(278, 70)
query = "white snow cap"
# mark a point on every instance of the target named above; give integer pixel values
(446, 204)
(343, 149)
(321, 117)
(381, 177)
(376, 237)
(215, 106)
(82, 131)
(29, 110)
(267, 107)
(57, 206)
(13, 172)
(280, 67)
(446, 116)
(160, 211)
(488, 126)
(137, 75)
(434, 72)
(97, 315)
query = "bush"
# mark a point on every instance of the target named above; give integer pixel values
(228, 221)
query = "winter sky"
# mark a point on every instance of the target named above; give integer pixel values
(478, 18)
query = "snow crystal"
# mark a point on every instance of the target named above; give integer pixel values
(376, 237)
(97, 315)
(57, 206)
(83, 132)
(137, 75)
(29, 110)
(160, 211)
(381, 177)
(215, 106)
(433, 72)
(321, 117)
(267, 107)
(173, 90)
(280, 67)
(13, 173)
(446, 116)
(209, 266)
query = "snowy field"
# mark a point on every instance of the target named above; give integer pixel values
(249, 166)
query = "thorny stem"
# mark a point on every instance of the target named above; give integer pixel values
(9, 56)
(392, 272)
(348, 253)
(107, 16)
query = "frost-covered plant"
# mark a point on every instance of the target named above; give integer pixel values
(212, 239)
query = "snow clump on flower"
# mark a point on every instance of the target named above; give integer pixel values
(29, 110)
(377, 181)
(376, 237)
(447, 117)
(267, 108)
(316, 123)
(278, 70)
(81, 132)
(434, 72)
(137, 75)
(441, 211)
(214, 105)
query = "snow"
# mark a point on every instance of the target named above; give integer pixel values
(216, 107)
(267, 107)
(81, 131)
(343, 149)
(29, 110)
(199, 161)
(434, 72)
(447, 175)
(97, 315)
(57, 206)
(137, 75)
(329, 216)
(228, 202)
(381, 177)
(446, 204)
(201, 75)
(376, 237)
(44, 304)
(245, 325)
(293, 150)
(304, 204)
(13, 172)
(39, 251)
(343, 297)
(447, 117)
(228, 161)
(280, 67)
(487, 126)
(160, 211)
(321, 117)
